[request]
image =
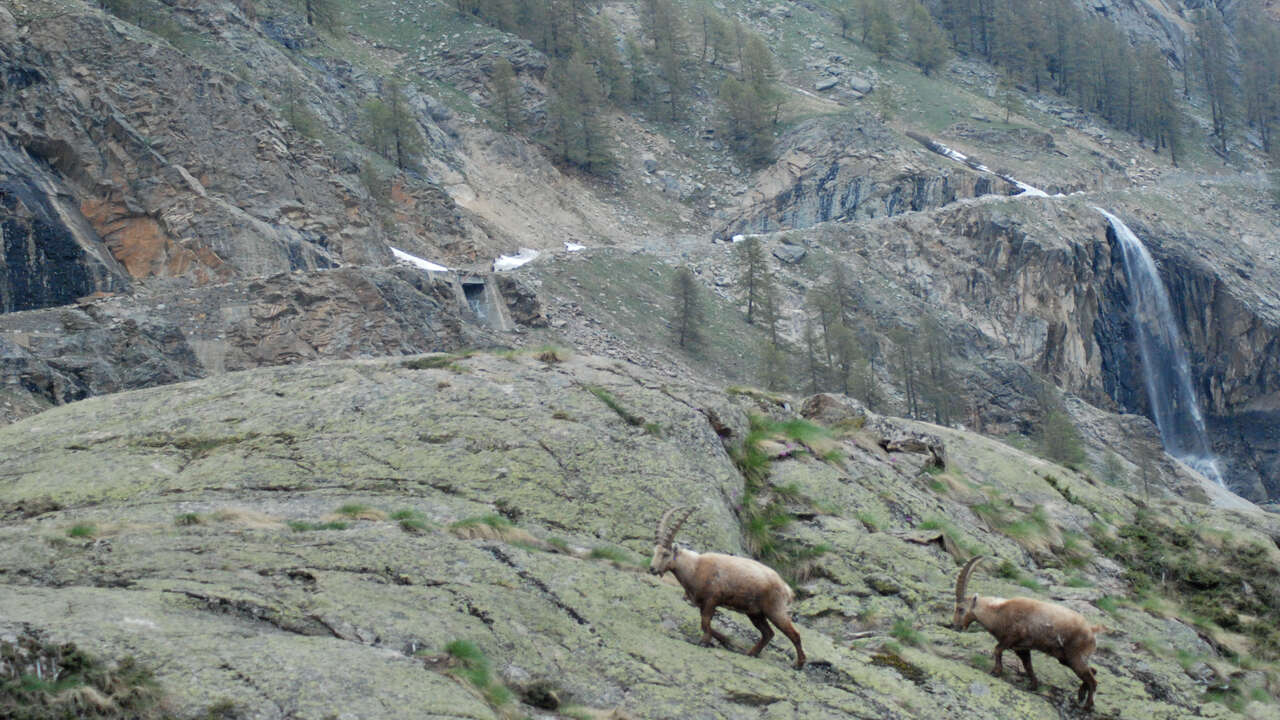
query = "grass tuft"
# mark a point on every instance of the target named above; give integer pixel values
(188, 519)
(83, 530)
(304, 526)
(615, 555)
(473, 667)
(358, 511)
(609, 400)
(492, 526)
(411, 521)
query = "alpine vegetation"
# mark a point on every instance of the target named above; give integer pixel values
(712, 580)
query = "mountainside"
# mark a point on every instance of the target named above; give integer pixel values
(304, 541)
(834, 273)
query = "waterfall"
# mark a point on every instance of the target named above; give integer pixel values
(1165, 366)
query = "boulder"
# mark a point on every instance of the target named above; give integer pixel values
(790, 254)
(825, 84)
(860, 84)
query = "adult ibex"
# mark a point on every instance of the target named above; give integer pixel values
(713, 580)
(1024, 624)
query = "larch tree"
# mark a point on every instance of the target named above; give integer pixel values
(688, 311)
(753, 274)
(505, 92)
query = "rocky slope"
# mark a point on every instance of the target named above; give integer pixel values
(192, 527)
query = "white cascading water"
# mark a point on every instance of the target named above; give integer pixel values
(1165, 366)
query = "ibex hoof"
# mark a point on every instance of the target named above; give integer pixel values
(704, 643)
(997, 672)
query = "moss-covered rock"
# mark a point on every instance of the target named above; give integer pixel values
(194, 569)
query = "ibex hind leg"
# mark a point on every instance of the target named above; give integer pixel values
(766, 633)
(1088, 683)
(1025, 657)
(784, 624)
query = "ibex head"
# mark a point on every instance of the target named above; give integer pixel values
(964, 606)
(663, 550)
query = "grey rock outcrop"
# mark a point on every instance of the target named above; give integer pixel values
(60, 355)
(850, 172)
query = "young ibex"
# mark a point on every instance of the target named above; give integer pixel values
(1024, 624)
(712, 580)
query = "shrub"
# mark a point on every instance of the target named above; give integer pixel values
(188, 519)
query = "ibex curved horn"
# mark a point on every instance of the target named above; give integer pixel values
(962, 582)
(667, 534)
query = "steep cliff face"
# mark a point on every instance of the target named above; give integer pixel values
(49, 253)
(161, 154)
(847, 172)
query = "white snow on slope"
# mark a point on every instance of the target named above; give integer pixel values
(416, 261)
(511, 262)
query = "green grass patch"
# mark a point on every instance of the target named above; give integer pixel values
(904, 631)
(763, 513)
(612, 403)
(411, 521)
(492, 520)
(559, 545)
(473, 667)
(872, 520)
(40, 680)
(1202, 578)
(1108, 604)
(305, 526)
(186, 519)
(958, 538)
(1076, 580)
(83, 530)
(614, 554)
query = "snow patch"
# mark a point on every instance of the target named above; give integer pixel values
(414, 260)
(511, 262)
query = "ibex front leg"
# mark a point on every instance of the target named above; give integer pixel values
(708, 632)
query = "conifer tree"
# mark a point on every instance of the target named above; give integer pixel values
(880, 31)
(1213, 53)
(747, 128)
(753, 274)
(813, 356)
(505, 92)
(1260, 73)
(773, 367)
(908, 369)
(927, 46)
(638, 76)
(323, 14)
(688, 310)
(389, 125)
(575, 117)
